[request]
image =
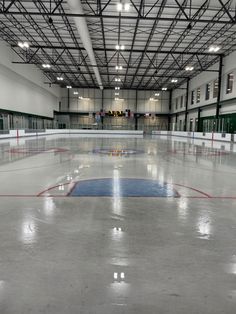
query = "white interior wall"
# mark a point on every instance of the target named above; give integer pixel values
(92, 101)
(22, 87)
(126, 100)
(159, 104)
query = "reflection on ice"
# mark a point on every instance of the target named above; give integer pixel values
(152, 170)
(61, 187)
(49, 206)
(116, 183)
(231, 267)
(119, 276)
(120, 291)
(116, 206)
(117, 234)
(204, 226)
(120, 261)
(28, 231)
(2, 287)
(183, 209)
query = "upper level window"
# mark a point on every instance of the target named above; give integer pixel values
(230, 83)
(176, 103)
(192, 97)
(181, 101)
(215, 88)
(198, 95)
(208, 90)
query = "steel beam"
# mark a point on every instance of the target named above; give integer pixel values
(112, 66)
(123, 17)
(115, 74)
(150, 51)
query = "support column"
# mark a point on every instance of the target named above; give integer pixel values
(198, 119)
(102, 118)
(136, 108)
(68, 105)
(186, 106)
(68, 99)
(219, 90)
(169, 116)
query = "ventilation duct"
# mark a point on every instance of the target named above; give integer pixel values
(76, 8)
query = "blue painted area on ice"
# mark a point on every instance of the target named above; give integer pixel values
(122, 187)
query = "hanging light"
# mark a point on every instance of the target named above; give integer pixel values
(46, 66)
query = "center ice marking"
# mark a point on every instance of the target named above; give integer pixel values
(123, 187)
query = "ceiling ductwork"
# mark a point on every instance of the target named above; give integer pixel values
(81, 24)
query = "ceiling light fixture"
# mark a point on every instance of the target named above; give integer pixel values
(157, 94)
(174, 81)
(120, 47)
(119, 67)
(164, 88)
(117, 87)
(117, 79)
(20, 44)
(122, 6)
(76, 93)
(119, 7)
(23, 45)
(26, 45)
(126, 6)
(60, 78)
(68, 86)
(189, 68)
(46, 66)
(214, 48)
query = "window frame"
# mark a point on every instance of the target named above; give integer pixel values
(192, 97)
(198, 93)
(181, 101)
(176, 103)
(215, 90)
(208, 91)
(230, 83)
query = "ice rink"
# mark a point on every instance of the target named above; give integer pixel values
(117, 225)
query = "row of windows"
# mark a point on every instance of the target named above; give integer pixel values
(229, 89)
(207, 92)
(180, 101)
(196, 94)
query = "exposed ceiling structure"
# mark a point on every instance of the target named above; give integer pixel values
(165, 41)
